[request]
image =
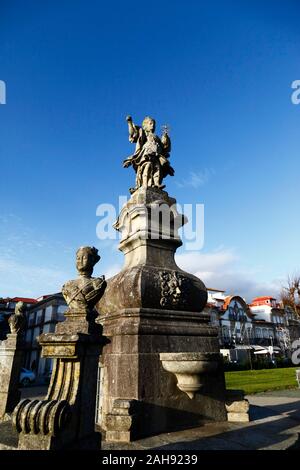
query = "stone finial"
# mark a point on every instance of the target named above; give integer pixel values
(17, 321)
(83, 293)
(151, 157)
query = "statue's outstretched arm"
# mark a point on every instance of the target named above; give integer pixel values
(133, 130)
(166, 141)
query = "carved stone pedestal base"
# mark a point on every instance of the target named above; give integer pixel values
(65, 419)
(11, 359)
(151, 307)
(140, 397)
(120, 423)
(237, 407)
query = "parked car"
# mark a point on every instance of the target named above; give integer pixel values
(26, 377)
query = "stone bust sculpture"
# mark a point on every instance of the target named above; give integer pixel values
(83, 293)
(151, 157)
(17, 321)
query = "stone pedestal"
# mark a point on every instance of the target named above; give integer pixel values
(237, 407)
(11, 361)
(153, 307)
(66, 418)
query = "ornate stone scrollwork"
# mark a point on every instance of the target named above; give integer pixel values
(45, 417)
(174, 289)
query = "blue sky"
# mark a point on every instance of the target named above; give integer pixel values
(218, 73)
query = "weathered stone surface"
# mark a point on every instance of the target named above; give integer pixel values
(150, 277)
(189, 369)
(83, 293)
(153, 307)
(151, 157)
(65, 419)
(17, 321)
(11, 360)
(119, 423)
(237, 406)
(238, 417)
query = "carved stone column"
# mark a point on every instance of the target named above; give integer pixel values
(151, 307)
(65, 419)
(11, 360)
(67, 415)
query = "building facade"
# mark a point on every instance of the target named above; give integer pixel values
(42, 317)
(264, 328)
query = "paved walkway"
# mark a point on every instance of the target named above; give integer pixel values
(275, 425)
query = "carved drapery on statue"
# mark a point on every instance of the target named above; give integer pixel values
(151, 157)
(83, 293)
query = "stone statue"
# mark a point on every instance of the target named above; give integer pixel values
(151, 157)
(17, 321)
(83, 293)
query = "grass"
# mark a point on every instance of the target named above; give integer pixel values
(255, 381)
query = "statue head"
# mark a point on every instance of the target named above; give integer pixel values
(86, 258)
(20, 308)
(149, 124)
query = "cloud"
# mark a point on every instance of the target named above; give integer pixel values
(17, 279)
(196, 179)
(29, 261)
(222, 269)
(113, 270)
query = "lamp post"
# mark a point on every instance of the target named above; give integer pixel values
(271, 348)
(250, 358)
(234, 344)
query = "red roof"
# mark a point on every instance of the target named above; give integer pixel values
(261, 300)
(26, 300)
(266, 297)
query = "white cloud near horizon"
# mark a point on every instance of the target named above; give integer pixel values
(222, 270)
(112, 270)
(17, 279)
(21, 274)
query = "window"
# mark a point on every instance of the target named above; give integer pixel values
(28, 337)
(36, 333)
(31, 319)
(258, 332)
(60, 312)
(225, 331)
(39, 316)
(46, 328)
(48, 313)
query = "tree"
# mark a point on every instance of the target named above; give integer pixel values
(290, 294)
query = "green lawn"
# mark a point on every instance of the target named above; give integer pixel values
(255, 381)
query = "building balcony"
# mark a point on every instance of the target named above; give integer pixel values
(229, 343)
